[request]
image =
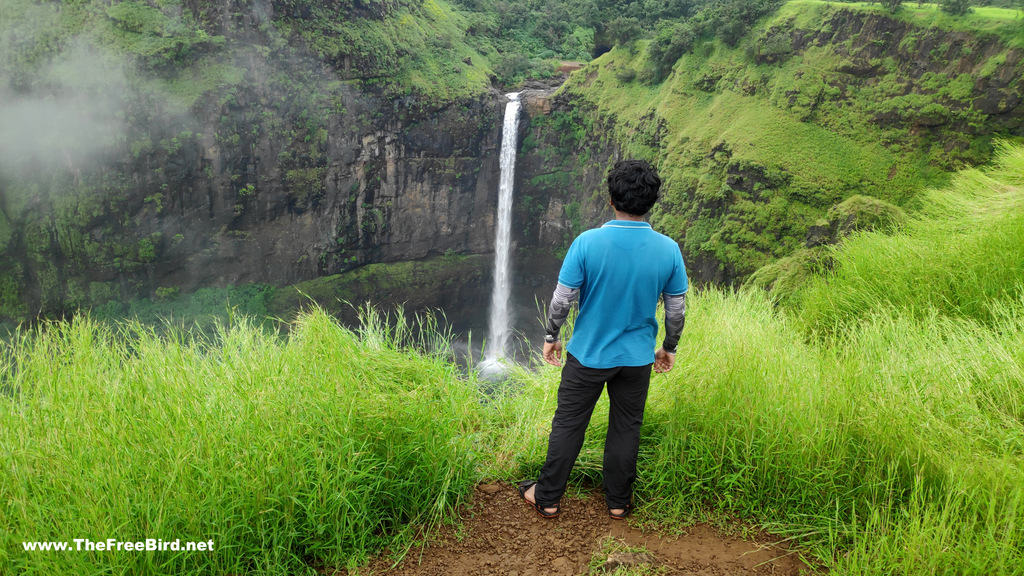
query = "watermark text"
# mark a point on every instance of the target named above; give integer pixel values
(113, 544)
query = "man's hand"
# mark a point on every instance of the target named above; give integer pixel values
(553, 353)
(663, 361)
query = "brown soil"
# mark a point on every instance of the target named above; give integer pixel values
(502, 536)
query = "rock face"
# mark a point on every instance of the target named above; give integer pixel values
(399, 189)
(282, 171)
(561, 171)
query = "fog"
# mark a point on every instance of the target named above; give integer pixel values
(70, 116)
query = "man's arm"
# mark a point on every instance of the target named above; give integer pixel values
(558, 311)
(675, 319)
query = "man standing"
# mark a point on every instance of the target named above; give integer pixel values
(618, 272)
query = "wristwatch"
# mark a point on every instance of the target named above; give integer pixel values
(550, 338)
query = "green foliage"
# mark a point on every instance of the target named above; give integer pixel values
(892, 5)
(147, 250)
(304, 182)
(668, 45)
(159, 40)
(512, 68)
(167, 293)
(396, 282)
(203, 309)
(624, 30)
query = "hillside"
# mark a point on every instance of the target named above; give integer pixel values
(758, 142)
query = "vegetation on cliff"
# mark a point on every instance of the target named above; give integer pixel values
(820, 102)
(140, 139)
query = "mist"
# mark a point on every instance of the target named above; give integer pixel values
(71, 116)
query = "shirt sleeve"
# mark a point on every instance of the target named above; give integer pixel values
(571, 274)
(677, 283)
(561, 303)
(675, 319)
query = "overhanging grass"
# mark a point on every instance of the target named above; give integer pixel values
(958, 257)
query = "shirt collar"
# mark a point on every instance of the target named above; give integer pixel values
(625, 224)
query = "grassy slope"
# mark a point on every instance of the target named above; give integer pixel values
(419, 49)
(797, 129)
(961, 256)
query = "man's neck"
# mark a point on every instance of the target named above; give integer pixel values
(619, 215)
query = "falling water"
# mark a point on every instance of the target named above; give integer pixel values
(500, 328)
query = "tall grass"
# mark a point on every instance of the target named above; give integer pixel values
(287, 454)
(898, 450)
(958, 257)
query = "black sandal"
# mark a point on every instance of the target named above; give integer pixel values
(625, 512)
(523, 487)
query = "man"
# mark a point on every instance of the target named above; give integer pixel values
(618, 272)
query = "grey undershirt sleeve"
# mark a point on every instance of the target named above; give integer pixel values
(558, 311)
(675, 319)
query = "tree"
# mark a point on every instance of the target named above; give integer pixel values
(670, 43)
(892, 5)
(623, 31)
(955, 7)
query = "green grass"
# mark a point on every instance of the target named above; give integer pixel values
(287, 454)
(893, 446)
(906, 431)
(960, 256)
(325, 447)
(1003, 22)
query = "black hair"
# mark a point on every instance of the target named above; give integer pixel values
(633, 186)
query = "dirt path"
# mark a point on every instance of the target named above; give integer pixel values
(501, 536)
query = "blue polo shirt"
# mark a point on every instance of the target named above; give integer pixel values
(621, 269)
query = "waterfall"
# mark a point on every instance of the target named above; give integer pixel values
(500, 329)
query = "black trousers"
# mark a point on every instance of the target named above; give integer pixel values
(577, 395)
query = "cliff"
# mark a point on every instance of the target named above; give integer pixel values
(757, 143)
(227, 143)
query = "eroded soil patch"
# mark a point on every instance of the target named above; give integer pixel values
(501, 536)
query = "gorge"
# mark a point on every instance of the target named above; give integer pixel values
(258, 142)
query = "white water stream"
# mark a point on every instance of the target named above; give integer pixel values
(500, 325)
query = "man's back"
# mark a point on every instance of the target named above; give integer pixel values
(621, 269)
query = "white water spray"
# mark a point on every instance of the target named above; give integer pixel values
(500, 328)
